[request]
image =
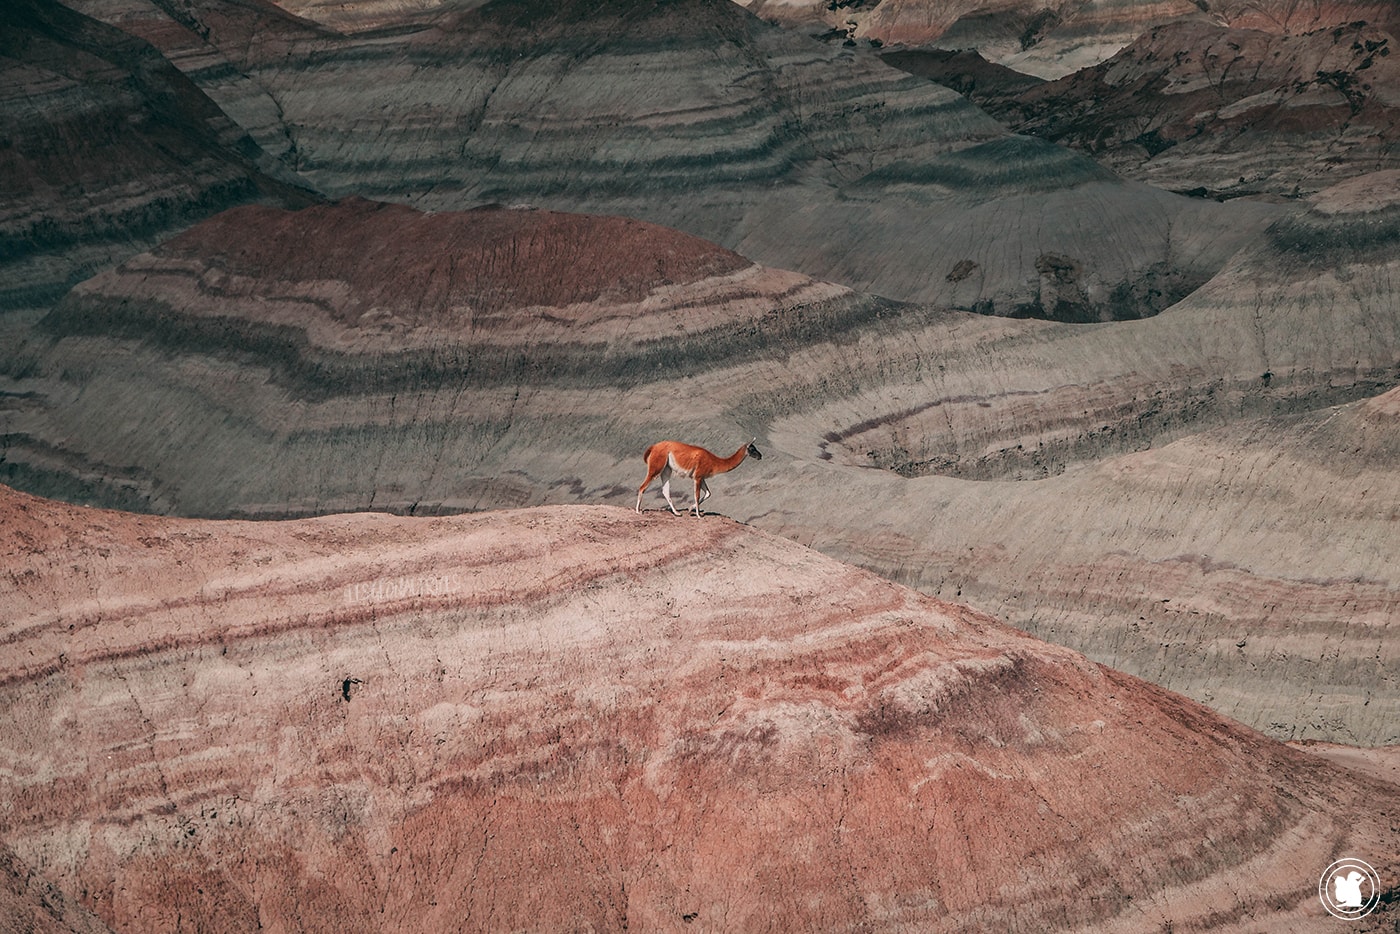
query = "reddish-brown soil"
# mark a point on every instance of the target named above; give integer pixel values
(488, 259)
(578, 717)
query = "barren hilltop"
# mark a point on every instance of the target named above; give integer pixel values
(569, 716)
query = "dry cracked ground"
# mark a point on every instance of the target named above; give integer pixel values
(1063, 597)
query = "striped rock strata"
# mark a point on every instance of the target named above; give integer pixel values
(107, 149)
(698, 116)
(575, 717)
(333, 298)
(1275, 109)
(1046, 38)
(1186, 477)
(349, 278)
(1204, 497)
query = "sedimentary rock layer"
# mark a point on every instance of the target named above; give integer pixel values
(1273, 523)
(366, 15)
(1046, 38)
(993, 87)
(1056, 40)
(575, 716)
(698, 116)
(1232, 104)
(509, 277)
(1198, 497)
(1007, 29)
(107, 148)
(369, 297)
(1288, 16)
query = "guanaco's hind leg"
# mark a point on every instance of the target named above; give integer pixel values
(666, 488)
(654, 470)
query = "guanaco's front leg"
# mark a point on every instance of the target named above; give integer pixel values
(702, 493)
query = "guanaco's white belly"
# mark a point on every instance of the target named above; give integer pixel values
(677, 468)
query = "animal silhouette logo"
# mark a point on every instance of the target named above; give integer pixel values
(1349, 889)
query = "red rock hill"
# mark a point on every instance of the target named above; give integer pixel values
(578, 717)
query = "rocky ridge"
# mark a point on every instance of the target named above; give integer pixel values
(1237, 104)
(560, 715)
(1231, 112)
(1052, 38)
(1041, 37)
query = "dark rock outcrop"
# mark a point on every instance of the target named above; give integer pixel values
(1253, 100)
(1053, 38)
(995, 88)
(1231, 112)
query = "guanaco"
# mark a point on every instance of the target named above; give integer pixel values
(667, 457)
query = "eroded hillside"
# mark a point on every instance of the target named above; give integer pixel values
(576, 715)
(699, 116)
(1229, 112)
(535, 238)
(1052, 38)
(108, 148)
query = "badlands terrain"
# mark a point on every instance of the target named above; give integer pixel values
(1207, 109)
(568, 717)
(331, 335)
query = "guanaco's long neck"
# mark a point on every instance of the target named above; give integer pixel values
(733, 460)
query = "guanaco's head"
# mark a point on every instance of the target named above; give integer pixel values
(754, 452)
